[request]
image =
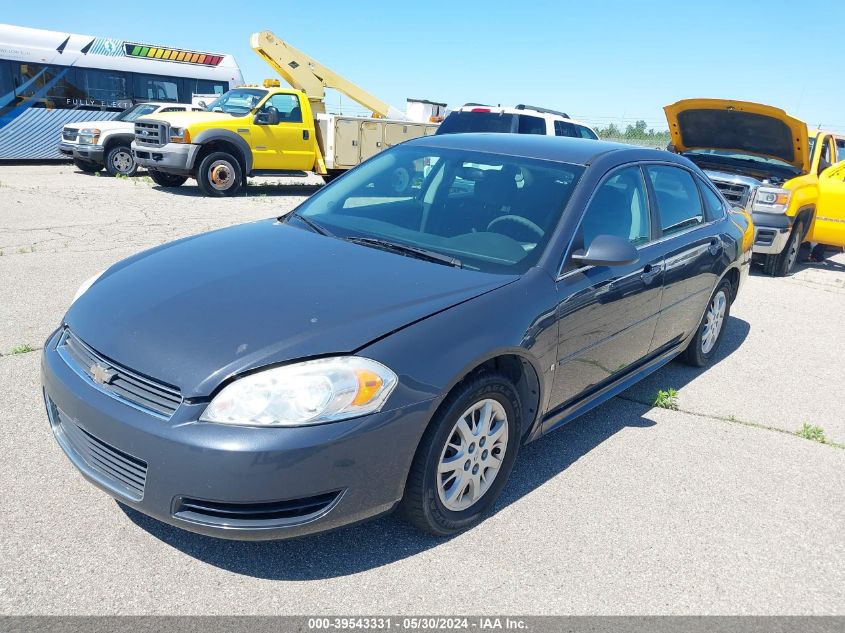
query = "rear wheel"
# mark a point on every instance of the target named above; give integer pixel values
(166, 180)
(87, 166)
(712, 327)
(782, 264)
(220, 174)
(465, 456)
(119, 161)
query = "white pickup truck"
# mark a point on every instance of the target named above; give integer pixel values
(94, 145)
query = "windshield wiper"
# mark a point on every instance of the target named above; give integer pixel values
(406, 249)
(317, 228)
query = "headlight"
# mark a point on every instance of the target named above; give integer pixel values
(311, 392)
(89, 136)
(771, 200)
(180, 135)
(85, 285)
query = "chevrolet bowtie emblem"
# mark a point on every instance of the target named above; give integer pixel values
(102, 375)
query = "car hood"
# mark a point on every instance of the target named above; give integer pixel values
(185, 119)
(740, 126)
(102, 125)
(197, 311)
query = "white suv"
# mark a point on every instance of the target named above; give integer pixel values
(523, 119)
(94, 145)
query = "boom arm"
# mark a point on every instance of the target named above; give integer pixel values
(307, 74)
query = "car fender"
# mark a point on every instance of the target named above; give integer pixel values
(435, 354)
(208, 136)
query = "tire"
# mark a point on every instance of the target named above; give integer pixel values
(333, 173)
(428, 490)
(400, 180)
(220, 175)
(87, 166)
(782, 264)
(704, 346)
(167, 180)
(119, 161)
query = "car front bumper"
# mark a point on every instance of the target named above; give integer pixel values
(91, 153)
(229, 481)
(771, 233)
(173, 158)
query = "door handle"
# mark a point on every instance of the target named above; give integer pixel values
(305, 135)
(650, 272)
(715, 246)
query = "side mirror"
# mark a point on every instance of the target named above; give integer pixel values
(203, 105)
(270, 116)
(607, 250)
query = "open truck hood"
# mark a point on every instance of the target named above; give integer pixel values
(739, 126)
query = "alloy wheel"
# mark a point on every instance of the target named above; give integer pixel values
(713, 321)
(472, 457)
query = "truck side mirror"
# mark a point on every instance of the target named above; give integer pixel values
(270, 116)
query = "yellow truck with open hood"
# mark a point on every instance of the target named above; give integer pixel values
(791, 179)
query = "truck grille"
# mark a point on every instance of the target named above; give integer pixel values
(119, 382)
(69, 134)
(735, 193)
(150, 134)
(122, 472)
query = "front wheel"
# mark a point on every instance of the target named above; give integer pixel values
(465, 456)
(220, 174)
(167, 180)
(782, 264)
(119, 161)
(706, 341)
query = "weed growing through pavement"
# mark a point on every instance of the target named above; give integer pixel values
(667, 399)
(23, 349)
(812, 432)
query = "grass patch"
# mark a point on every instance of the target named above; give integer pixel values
(812, 432)
(667, 399)
(23, 349)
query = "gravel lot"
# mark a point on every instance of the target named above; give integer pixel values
(711, 509)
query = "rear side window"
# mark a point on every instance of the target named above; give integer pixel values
(678, 200)
(585, 132)
(564, 128)
(531, 125)
(713, 204)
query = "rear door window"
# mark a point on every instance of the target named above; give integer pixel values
(531, 124)
(677, 197)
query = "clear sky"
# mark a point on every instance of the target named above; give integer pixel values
(600, 61)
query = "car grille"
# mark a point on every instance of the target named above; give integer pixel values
(120, 471)
(150, 134)
(69, 134)
(276, 513)
(119, 382)
(735, 193)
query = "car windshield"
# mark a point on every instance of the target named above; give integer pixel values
(237, 102)
(137, 111)
(485, 211)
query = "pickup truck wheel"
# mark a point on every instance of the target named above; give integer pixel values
(87, 166)
(167, 180)
(712, 327)
(119, 161)
(220, 174)
(465, 456)
(782, 264)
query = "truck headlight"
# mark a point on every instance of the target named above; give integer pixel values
(771, 200)
(89, 136)
(180, 135)
(310, 392)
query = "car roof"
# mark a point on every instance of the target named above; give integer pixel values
(554, 148)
